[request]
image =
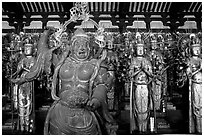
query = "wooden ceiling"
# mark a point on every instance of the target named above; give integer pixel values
(118, 11)
(37, 8)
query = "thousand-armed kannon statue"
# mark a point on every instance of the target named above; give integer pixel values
(141, 73)
(23, 93)
(194, 72)
(79, 85)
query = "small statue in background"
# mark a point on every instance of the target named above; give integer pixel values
(112, 61)
(157, 67)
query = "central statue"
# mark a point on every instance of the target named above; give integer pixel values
(74, 112)
(79, 82)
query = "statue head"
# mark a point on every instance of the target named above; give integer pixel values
(153, 41)
(64, 37)
(138, 38)
(192, 36)
(17, 38)
(196, 49)
(80, 45)
(28, 49)
(21, 34)
(140, 49)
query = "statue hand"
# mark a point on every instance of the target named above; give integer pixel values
(14, 80)
(93, 104)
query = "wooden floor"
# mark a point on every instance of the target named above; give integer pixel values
(174, 118)
(174, 121)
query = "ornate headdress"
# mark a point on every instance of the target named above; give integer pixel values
(140, 45)
(192, 36)
(100, 37)
(195, 45)
(79, 33)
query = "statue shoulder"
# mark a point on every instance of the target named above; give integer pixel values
(147, 61)
(93, 61)
(103, 64)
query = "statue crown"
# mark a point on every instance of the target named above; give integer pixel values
(80, 33)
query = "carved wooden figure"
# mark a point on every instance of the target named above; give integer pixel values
(23, 94)
(141, 71)
(194, 72)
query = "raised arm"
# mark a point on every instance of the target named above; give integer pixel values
(43, 54)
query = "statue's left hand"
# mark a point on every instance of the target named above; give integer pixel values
(93, 104)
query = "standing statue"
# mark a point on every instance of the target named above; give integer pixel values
(78, 88)
(73, 112)
(163, 72)
(111, 63)
(194, 72)
(158, 65)
(23, 94)
(141, 73)
(79, 85)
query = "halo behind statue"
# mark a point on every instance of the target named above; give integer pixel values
(79, 12)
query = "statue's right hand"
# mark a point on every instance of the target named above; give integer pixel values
(93, 104)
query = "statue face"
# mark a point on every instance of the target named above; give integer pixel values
(196, 51)
(28, 50)
(64, 37)
(81, 49)
(140, 50)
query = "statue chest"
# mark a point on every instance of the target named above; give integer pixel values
(138, 63)
(28, 63)
(195, 63)
(76, 71)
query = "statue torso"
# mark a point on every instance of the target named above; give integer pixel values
(74, 79)
(26, 65)
(141, 62)
(157, 60)
(195, 62)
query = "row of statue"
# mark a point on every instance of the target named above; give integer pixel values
(87, 82)
(90, 68)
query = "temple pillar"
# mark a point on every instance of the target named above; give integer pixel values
(199, 21)
(147, 21)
